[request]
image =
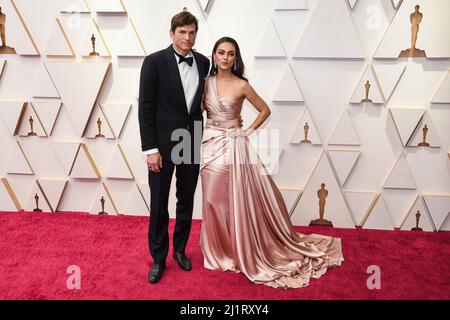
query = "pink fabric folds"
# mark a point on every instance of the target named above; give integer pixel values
(246, 226)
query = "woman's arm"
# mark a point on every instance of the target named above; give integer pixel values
(259, 104)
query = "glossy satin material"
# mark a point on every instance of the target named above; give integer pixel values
(246, 226)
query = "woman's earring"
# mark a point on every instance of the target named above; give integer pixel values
(214, 64)
(235, 67)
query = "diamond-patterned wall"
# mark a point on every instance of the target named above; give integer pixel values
(346, 110)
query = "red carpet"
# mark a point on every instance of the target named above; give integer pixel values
(112, 253)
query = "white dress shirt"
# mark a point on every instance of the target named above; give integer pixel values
(190, 80)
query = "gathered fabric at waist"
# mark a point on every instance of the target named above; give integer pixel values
(233, 123)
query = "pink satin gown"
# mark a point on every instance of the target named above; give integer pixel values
(246, 226)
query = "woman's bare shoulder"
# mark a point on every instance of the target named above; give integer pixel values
(241, 84)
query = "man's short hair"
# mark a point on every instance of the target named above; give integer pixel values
(184, 18)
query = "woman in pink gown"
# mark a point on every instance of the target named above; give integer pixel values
(246, 226)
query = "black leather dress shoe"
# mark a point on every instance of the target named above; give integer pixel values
(183, 261)
(156, 272)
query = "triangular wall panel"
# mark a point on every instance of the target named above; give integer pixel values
(352, 3)
(368, 80)
(270, 44)
(360, 203)
(130, 45)
(66, 153)
(446, 225)
(18, 36)
(100, 45)
(79, 97)
(12, 113)
(306, 131)
(443, 93)
(136, 204)
(343, 162)
(336, 209)
(18, 162)
(400, 176)
(406, 120)
(116, 115)
(31, 124)
(388, 75)
(424, 219)
(145, 191)
(84, 166)
(119, 166)
(379, 217)
(399, 202)
(345, 132)
(330, 33)
(43, 85)
(439, 208)
(47, 112)
(53, 190)
(8, 199)
(288, 89)
(205, 4)
(58, 44)
(37, 200)
(426, 130)
(109, 206)
(396, 3)
(431, 33)
(99, 126)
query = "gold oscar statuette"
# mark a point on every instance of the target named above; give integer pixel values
(425, 132)
(416, 19)
(322, 194)
(306, 128)
(417, 222)
(36, 198)
(367, 86)
(102, 200)
(99, 125)
(31, 133)
(4, 49)
(93, 53)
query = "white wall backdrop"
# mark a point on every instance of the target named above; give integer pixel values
(309, 59)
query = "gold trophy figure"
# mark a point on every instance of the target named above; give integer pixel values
(306, 127)
(102, 200)
(367, 86)
(417, 222)
(425, 132)
(4, 49)
(416, 19)
(93, 53)
(322, 194)
(31, 133)
(36, 198)
(99, 125)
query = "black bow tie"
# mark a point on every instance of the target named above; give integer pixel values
(189, 61)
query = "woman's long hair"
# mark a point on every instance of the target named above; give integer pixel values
(239, 68)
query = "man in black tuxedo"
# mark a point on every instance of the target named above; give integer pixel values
(171, 91)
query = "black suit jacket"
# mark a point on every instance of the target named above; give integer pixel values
(162, 104)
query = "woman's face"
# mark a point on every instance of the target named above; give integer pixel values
(225, 56)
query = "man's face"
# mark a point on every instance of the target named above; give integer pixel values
(184, 37)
